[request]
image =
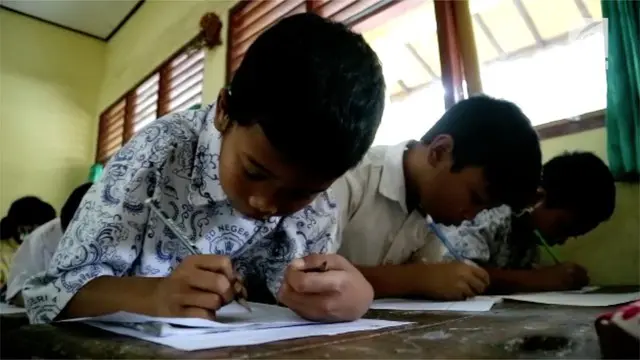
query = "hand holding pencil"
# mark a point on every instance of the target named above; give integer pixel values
(325, 287)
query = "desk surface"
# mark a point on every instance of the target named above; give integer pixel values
(511, 330)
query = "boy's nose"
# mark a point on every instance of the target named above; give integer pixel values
(262, 205)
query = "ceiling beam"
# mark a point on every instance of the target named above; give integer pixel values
(404, 87)
(584, 12)
(522, 10)
(421, 60)
(487, 32)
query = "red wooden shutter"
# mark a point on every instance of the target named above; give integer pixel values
(145, 103)
(183, 83)
(249, 19)
(111, 132)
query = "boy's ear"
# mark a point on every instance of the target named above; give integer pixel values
(440, 150)
(221, 120)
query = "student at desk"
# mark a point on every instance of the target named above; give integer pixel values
(481, 153)
(577, 193)
(25, 214)
(35, 253)
(244, 180)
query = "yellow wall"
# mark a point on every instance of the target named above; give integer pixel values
(49, 81)
(612, 251)
(157, 30)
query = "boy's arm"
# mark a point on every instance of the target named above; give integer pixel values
(103, 240)
(565, 276)
(340, 293)
(507, 281)
(442, 281)
(390, 280)
(26, 263)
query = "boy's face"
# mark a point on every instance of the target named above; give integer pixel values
(450, 197)
(555, 225)
(258, 181)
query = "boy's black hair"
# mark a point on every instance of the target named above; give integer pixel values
(28, 210)
(581, 183)
(71, 205)
(315, 88)
(498, 137)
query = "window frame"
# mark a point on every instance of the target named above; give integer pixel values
(162, 103)
(552, 129)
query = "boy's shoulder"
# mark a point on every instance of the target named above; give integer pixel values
(500, 215)
(173, 132)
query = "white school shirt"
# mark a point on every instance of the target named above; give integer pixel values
(175, 161)
(33, 255)
(375, 226)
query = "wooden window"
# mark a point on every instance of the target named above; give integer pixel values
(185, 78)
(146, 103)
(249, 19)
(111, 133)
(174, 86)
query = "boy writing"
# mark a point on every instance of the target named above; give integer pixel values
(34, 254)
(244, 179)
(577, 193)
(481, 153)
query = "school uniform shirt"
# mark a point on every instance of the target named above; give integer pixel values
(174, 161)
(8, 248)
(487, 239)
(34, 255)
(375, 225)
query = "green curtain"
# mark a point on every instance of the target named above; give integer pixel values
(623, 83)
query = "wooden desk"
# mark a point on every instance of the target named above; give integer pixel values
(511, 330)
(500, 333)
(83, 341)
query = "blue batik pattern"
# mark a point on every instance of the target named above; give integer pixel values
(175, 161)
(488, 239)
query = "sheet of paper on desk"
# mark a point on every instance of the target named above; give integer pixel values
(478, 303)
(231, 317)
(573, 298)
(192, 342)
(6, 309)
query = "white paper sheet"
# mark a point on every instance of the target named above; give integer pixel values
(250, 337)
(229, 318)
(6, 309)
(478, 303)
(573, 298)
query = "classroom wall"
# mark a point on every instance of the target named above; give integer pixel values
(612, 251)
(156, 31)
(49, 82)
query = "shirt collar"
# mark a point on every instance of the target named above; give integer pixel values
(392, 184)
(205, 187)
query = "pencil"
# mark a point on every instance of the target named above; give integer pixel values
(443, 239)
(240, 291)
(322, 268)
(547, 247)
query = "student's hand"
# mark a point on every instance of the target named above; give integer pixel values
(449, 281)
(339, 294)
(199, 286)
(564, 276)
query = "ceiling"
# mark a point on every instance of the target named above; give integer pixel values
(96, 18)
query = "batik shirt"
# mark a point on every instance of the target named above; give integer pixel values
(489, 239)
(175, 162)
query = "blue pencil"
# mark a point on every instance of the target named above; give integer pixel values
(443, 239)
